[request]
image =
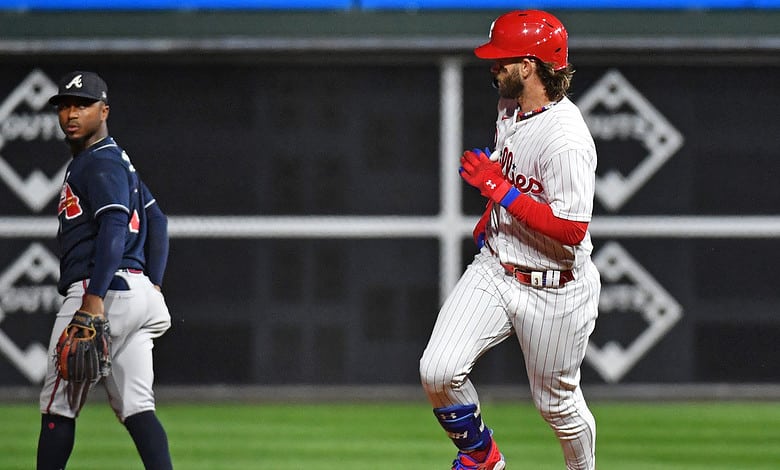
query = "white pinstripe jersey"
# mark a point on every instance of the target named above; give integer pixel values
(550, 157)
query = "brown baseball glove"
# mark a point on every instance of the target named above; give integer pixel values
(83, 354)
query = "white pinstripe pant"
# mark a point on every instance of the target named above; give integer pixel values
(552, 325)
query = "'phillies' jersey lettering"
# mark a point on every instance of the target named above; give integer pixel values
(525, 184)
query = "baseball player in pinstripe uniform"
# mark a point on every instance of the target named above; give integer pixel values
(533, 277)
(113, 241)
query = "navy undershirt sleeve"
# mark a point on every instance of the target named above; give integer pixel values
(109, 248)
(108, 186)
(156, 248)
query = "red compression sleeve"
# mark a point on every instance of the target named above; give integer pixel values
(539, 216)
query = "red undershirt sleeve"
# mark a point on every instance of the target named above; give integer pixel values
(539, 217)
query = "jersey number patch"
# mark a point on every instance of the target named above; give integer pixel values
(135, 223)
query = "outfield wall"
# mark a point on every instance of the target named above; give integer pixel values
(308, 166)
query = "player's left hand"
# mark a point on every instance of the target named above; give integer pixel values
(479, 231)
(83, 354)
(482, 173)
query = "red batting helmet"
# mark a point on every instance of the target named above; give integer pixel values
(527, 33)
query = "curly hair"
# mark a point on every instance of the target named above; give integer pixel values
(556, 83)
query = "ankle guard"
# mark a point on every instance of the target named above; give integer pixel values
(463, 424)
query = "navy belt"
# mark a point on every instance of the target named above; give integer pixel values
(119, 283)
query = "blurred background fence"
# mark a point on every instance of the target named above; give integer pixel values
(306, 154)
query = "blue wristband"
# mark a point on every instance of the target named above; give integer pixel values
(510, 197)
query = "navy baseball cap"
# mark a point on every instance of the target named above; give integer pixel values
(83, 85)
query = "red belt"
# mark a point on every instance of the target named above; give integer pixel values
(539, 278)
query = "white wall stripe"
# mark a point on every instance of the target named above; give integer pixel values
(417, 226)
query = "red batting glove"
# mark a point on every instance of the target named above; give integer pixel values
(482, 173)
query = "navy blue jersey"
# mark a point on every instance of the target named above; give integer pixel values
(99, 179)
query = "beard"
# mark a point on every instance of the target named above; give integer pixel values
(510, 86)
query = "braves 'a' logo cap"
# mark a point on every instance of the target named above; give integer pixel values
(81, 84)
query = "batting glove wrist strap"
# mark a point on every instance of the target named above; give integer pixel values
(510, 196)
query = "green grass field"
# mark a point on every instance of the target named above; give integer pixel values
(405, 436)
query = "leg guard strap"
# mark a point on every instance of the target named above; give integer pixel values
(463, 424)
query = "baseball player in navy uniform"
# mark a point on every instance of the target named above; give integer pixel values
(113, 243)
(533, 277)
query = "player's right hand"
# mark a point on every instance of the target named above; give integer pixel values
(479, 171)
